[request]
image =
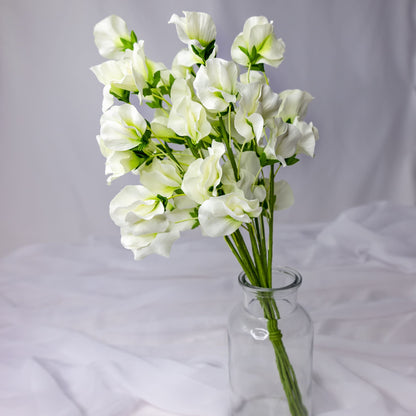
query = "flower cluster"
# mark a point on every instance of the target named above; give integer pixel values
(218, 136)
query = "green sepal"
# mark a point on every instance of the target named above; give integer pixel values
(147, 91)
(194, 213)
(155, 104)
(171, 80)
(156, 79)
(209, 49)
(257, 67)
(120, 94)
(162, 199)
(264, 161)
(178, 192)
(133, 37)
(127, 44)
(291, 160)
(244, 50)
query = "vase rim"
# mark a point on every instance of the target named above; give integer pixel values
(295, 276)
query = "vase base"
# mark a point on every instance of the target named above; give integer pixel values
(261, 407)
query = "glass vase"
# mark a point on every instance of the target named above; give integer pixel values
(270, 340)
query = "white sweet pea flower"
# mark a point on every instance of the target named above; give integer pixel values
(187, 117)
(222, 215)
(182, 219)
(258, 103)
(195, 28)
(216, 84)
(117, 163)
(248, 168)
(133, 204)
(181, 88)
(161, 176)
(143, 68)
(183, 203)
(294, 104)
(284, 195)
(204, 175)
(183, 62)
(146, 228)
(122, 127)
(283, 141)
(143, 245)
(257, 44)
(159, 124)
(269, 103)
(248, 122)
(107, 35)
(117, 74)
(108, 99)
(310, 135)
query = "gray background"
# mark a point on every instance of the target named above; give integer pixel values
(357, 58)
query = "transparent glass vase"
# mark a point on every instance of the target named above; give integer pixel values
(270, 339)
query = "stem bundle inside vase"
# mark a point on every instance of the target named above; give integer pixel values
(257, 267)
(209, 155)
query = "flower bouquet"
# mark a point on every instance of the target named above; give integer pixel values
(209, 155)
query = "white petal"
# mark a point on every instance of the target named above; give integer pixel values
(196, 27)
(222, 215)
(294, 104)
(122, 127)
(161, 176)
(107, 34)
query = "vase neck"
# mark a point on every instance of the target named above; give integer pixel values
(285, 284)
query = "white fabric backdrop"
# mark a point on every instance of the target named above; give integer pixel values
(85, 330)
(356, 57)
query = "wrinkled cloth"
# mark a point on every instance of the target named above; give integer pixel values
(85, 330)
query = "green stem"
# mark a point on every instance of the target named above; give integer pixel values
(257, 258)
(226, 140)
(285, 369)
(272, 199)
(253, 275)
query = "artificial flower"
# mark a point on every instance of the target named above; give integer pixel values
(282, 141)
(145, 244)
(187, 117)
(310, 135)
(249, 168)
(161, 176)
(195, 28)
(109, 34)
(117, 74)
(143, 69)
(222, 215)
(257, 44)
(122, 128)
(294, 104)
(204, 175)
(216, 84)
(135, 203)
(117, 163)
(209, 153)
